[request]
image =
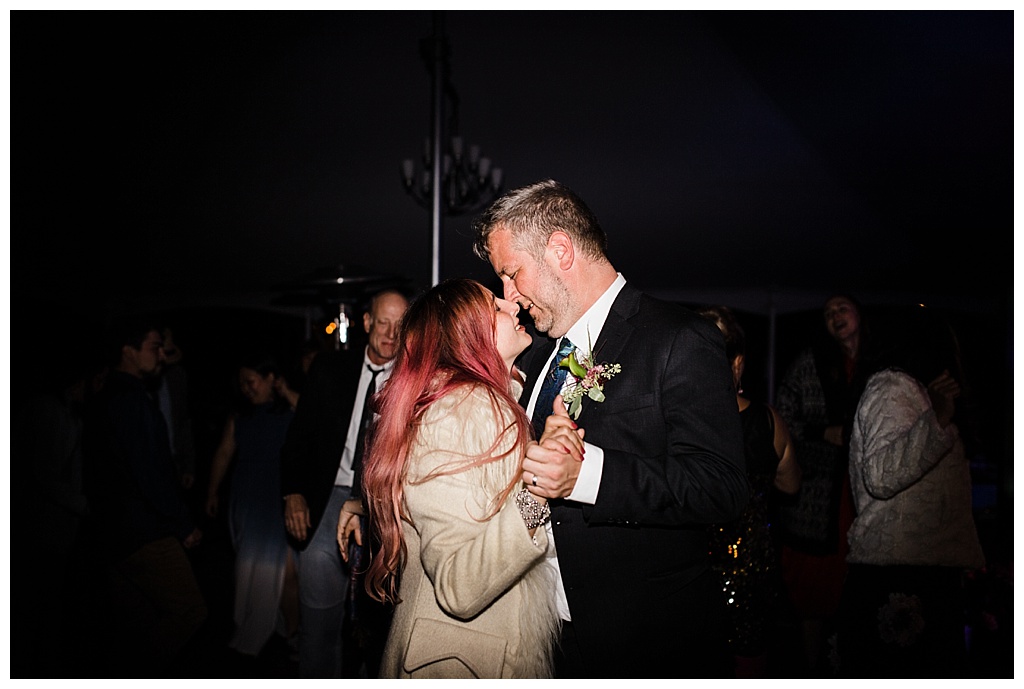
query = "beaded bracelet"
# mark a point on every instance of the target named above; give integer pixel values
(533, 513)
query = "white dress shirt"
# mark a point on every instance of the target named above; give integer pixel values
(345, 475)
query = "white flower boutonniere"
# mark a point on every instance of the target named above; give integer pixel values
(589, 380)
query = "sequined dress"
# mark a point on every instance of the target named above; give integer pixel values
(742, 552)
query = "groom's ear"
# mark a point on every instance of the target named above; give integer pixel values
(561, 249)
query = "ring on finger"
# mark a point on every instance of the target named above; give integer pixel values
(535, 479)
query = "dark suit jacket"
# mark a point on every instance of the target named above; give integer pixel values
(635, 564)
(129, 474)
(316, 436)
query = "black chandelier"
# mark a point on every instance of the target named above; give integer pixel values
(467, 181)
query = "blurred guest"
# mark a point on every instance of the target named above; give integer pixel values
(462, 541)
(286, 390)
(172, 392)
(266, 586)
(817, 398)
(743, 552)
(318, 465)
(914, 537)
(47, 491)
(310, 348)
(144, 527)
(296, 367)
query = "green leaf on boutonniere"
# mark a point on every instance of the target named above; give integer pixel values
(575, 407)
(573, 365)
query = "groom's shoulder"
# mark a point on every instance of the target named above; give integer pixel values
(666, 321)
(669, 312)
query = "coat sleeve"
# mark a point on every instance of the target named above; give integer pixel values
(469, 560)
(900, 437)
(307, 425)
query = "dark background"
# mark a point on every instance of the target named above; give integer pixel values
(221, 169)
(217, 167)
(189, 156)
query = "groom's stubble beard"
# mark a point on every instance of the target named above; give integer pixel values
(554, 303)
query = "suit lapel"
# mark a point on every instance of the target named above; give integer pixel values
(615, 333)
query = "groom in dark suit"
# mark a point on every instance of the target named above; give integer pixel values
(663, 448)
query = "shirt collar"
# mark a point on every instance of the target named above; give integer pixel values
(366, 362)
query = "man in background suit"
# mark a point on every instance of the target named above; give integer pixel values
(317, 476)
(663, 450)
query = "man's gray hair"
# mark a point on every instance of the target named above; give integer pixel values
(531, 213)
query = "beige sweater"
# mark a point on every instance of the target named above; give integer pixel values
(477, 596)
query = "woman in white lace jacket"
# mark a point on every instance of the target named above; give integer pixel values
(914, 534)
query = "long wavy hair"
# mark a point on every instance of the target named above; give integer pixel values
(446, 342)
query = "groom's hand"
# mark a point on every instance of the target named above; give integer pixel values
(552, 464)
(561, 432)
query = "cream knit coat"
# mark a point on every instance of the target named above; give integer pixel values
(477, 596)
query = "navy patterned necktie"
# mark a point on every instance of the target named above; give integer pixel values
(551, 387)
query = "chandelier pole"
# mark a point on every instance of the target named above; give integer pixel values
(437, 97)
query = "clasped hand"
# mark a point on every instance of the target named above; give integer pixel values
(554, 459)
(349, 525)
(296, 516)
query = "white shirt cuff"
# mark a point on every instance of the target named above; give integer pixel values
(589, 480)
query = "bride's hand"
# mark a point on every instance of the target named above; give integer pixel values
(561, 432)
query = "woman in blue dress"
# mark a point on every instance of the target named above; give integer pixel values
(266, 592)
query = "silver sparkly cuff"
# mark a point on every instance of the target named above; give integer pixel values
(533, 513)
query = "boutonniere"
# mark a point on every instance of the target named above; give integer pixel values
(590, 377)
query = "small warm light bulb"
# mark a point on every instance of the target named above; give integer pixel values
(331, 327)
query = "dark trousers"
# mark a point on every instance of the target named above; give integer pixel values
(157, 607)
(690, 644)
(902, 621)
